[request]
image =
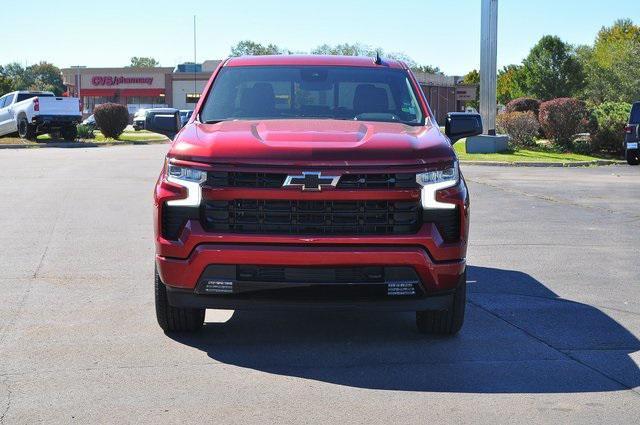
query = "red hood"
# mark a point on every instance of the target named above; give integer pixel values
(317, 142)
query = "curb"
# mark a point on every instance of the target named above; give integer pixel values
(572, 164)
(82, 144)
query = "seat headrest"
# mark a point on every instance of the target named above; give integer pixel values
(369, 98)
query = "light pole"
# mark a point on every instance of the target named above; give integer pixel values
(78, 80)
(489, 65)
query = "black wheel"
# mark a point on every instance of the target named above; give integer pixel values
(445, 322)
(26, 130)
(174, 319)
(632, 158)
(69, 134)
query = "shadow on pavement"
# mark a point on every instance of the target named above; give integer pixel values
(519, 337)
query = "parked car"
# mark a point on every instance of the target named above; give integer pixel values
(139, 118)
(632, 136)
(31, 113)
(345, 196)
(185, 114)
(90, 122)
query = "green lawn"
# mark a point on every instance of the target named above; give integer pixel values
(128, 136)
(520, 155)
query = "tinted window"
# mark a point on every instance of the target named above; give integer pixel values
(635, 114)
(25, 96)
(281, 92)
(6, 100)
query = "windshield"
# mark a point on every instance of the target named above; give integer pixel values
(285, 92)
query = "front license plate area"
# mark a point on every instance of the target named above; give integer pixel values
(632, 145)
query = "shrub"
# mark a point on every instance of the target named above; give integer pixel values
(561, 119)
(522, 127)
(607, 126)
(111, 119)
(85, 131)
(524, 104)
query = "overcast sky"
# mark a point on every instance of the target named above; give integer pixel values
(438, 32)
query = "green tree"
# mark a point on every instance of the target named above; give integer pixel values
(5, 82)
(346, 49)
(143, 62)
(44, 76)
(15, 74)
(510, 82)
(251, 48)
(473, 77)
(427, 69)
(552, 70)
(612, 65)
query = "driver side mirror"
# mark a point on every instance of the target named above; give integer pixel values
(461, 124)
(165, 121)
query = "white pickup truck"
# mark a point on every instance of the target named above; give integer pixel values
(31, 113)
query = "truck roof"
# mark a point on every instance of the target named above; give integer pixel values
(317, 60)
(31, 92)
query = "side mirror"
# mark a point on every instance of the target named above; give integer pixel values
(461, 124)
(165, 121)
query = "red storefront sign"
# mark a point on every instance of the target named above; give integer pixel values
(105, 80)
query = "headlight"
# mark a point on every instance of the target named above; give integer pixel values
(187, 174)
(189, 178)
(433, 181)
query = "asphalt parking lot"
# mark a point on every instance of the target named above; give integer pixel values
(552, 332)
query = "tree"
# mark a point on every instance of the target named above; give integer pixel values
(552, 70)
(5, 82)
(510, 84)
(473, 77)
(427, 69)
(612, 65)
(143, 62)
(251, 48)
(346, 49)
(44, 76)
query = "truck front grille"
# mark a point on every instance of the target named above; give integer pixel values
(311, 217)
(222, 179)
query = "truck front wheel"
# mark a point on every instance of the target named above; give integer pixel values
(25, 130)
(445, 322)
(69, 134)
(174, 319)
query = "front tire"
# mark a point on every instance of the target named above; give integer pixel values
(26, 131)
(445, 322)
(175, 319)
(633, 157)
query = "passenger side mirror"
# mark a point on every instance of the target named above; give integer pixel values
(461, 124)
(165, 121)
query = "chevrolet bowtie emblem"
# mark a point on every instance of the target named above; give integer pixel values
(311, 181)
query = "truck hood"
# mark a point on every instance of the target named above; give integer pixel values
(320, 142)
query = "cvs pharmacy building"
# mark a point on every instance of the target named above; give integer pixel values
(134, 87)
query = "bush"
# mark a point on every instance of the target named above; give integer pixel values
(524, 104)
(85, 131)
(111, 119)
(561, 119)
(607, 126)
(522, 127)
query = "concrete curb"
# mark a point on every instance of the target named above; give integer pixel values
(81, 144)
(596, 163)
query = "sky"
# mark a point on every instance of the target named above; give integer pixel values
(443, 33)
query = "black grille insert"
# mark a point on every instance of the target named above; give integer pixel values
(347, 181)
(311, 217)
(447, 222)
(174, 218)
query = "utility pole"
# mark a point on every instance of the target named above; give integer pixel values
(489, 65)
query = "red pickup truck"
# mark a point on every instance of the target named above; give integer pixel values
(317, 182)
